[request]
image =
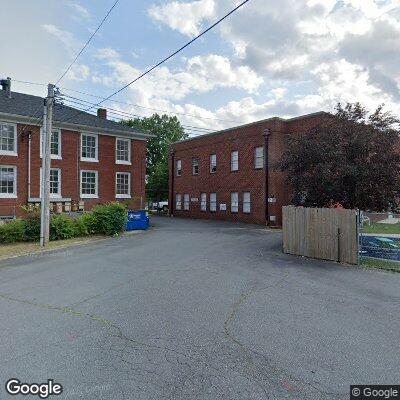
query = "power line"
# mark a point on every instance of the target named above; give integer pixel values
(169, 57)
(87, 43)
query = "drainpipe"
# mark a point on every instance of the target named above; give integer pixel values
(171, 195)
(29, 163)
(266, 135)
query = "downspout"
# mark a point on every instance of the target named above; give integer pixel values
(171, 197)
(29, 163)
(266, 135)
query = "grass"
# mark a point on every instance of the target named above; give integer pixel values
(26, 248)
(382, 228)
(382, 264)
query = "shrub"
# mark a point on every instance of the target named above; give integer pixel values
(110, 218)
(80, 227)
(61, 227)
(12, 232)
(32, 226)
(88, 223)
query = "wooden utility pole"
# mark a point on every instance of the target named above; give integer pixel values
(46, 160)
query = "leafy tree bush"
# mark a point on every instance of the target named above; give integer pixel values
(32, 226)
(109, 219)
(13, 231)
(80, 226)
(352, 158)
(62, 227)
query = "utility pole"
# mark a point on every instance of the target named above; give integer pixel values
(46, 160)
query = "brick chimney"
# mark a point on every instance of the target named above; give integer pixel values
(6, 86)
(102, 113)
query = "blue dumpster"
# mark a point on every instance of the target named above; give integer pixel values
(137, 220)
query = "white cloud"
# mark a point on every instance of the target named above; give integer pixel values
(66, 38)
(184, 17)
(80, 11)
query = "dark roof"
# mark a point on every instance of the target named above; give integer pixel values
(32, 106)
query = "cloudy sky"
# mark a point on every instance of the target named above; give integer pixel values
(272, 58)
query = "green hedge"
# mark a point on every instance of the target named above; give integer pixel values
(107, 219)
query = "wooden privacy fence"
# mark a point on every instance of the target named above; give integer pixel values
(323, 233)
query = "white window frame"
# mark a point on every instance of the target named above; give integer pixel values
(15, 151)
(246, 203)
(178, 167)
(259, 159)
(120, 195)
(178, 201)
(123, 162)
(52, 195)
(234, 202)
(89, 196)
(235, 160)
(203, 201)
(195, 163)
(87, 159)
(213, 202)
(213, 163)
(186, 202)
(53, 156)
(13, 195)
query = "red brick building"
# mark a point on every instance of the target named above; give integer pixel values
(94, 160)
(234, 174)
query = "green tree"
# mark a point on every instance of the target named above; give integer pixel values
(351, 158)
(166, 130)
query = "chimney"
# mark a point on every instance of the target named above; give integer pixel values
(102, 113)
(6, 86)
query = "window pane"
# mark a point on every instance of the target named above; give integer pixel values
(234, 160)
(178, 202)
(55, 142)
(89, 146)
(203, 202)
(55, 181)
(123, 183)
(123, 147)
(186, 202)
(7, 138)
(234, 202)
(7, 180)
(213, 163)
(89, 182)
(246, 202)
(195, 166)
(213, 202)
(259, 157)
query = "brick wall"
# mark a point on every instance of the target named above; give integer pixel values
(248, 179)
(70, 166)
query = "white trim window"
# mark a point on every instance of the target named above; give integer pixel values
(203, 201)
(259, 157)
(55, 145)
(178, 167)
(213, 163)
(213, 202)
(246, 203)
(89, 184)
(8, 139)
(89, 147)
(178, 204)
(195, 166)
(234, 160)
(186, 202)
(55, 182)
(234, 202)
(8, 181)
(123, 151)
(123, 185)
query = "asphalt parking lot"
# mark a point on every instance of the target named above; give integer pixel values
(196, 310)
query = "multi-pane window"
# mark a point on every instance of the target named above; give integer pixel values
(195, 166)
(55, 182)
(89, 147)
(8, 181)
(123, 185)
(213, 201)
(89, 184)
(259, 157)
(246, 203)
(178, 167)
(234, 202)
(234, 160)
(55, 144)
(178, 202)
(213, 163)
(186, 202)
(203, 202)
(8, 139)
(123, 151)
